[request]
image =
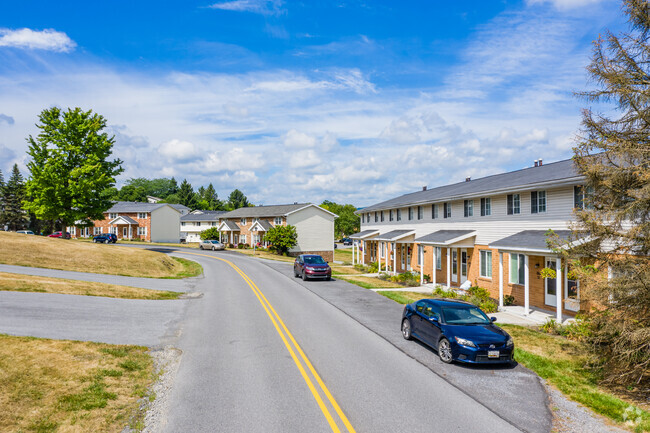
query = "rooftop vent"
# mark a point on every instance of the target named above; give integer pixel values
(540, 162)
(295, 202)
(536, 163)
(424, 188)
(467, 179)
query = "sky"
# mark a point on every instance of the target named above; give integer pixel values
(348, 101)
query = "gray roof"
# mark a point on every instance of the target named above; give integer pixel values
(394, 235)
(265, 224)
(128, 219)
(555, 171)
(363, 234)
(206, 215)
(529, 240)
(264, 211)
(444, 237)
(132, 206)
(231, 226)
(178, 206)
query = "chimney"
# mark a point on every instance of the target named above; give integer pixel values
(467, 179)
(424, 188)
(295, 202)
(540, 162)
(535, 163)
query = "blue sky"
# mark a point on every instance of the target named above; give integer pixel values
(349, 101)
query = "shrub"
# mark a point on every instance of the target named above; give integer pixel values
(384, 276)
(488, 306)
(508, 300)
(240, 246)
(479, 292)
(211, 233)
(283, 238)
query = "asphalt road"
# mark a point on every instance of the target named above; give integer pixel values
(237, 375)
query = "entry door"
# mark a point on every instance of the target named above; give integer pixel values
(550, 284)
(402, 256)
(408, 257)
(454, 265)
(125, 232)
(463, 266)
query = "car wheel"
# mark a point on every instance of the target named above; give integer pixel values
(444, 351)
(105, 241)
(328, 279)
(304, 276)
(406, 329)
(213, 248)
(200, 247)
(95, 240)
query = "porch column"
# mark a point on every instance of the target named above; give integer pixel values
(526, 286)
(394, 250)
(421, 248)
(363, 252)
(501, 281)
(448, 268)
(352, 253)
(386, 255)
(433, 269)
(558, 290)
(130, 235)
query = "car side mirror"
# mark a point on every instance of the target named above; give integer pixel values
(433, 318)
(493, 319)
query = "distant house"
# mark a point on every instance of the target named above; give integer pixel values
(149, 222)
(314, 226)
(196, 221)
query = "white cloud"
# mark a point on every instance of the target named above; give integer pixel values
(49, 40)
(264, 7)
(566, 4)
(178, 150)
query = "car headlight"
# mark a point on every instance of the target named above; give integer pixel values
(464, 342)
(510, 342)
(309, 268)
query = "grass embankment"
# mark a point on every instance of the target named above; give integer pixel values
(263, 254)
(53, 253)
(370, 282)
(29, 283)
(405, 297)
(343, 255)
(71, 386)
(566, 364)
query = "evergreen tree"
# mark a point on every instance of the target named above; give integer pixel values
(237, 199)
(186, 195)
(212, 199)
(2, 201)
(14, 215)
(613, 154)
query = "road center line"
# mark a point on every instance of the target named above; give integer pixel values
(280, 327)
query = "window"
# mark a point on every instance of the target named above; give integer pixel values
(517, 269)
(114, 230)
(537, 201)
(486, 206)
(142, 231)
(278, 221)
(382, 247)
(486, 263)
(382, 216)
(125, 232)
(572, 289)
(363, 218)
(410, 213)
(434, 211)
(242, 221)
(142, 215)
(368, 217)
(197, 224)
(242, 239)
(182, 223)
(580, 193)
(447, 210)
(97, 230)
(420, 213)
(468, 207)
(112, 215)
(376, 217)
(213, 223)
(390, 215)
(399, 215)
(514, 204)
(438, 257)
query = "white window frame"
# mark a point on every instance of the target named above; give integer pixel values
(538, 203)
(468, 208)
(142, 231)
(434, 211)
(113, 230)
(399, 215)
(242, 239)
(142, 215)
(242, 221)
(420, 212)
(278, 221)
(390, 215)
(520, 259)
(97, 231)
(112, 216)
(486, 206)
(197, 224)
(447, 210)
(410, 213)
(485, 268)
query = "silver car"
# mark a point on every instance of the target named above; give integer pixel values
(211, 245)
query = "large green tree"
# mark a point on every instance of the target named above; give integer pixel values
(186, 195)
(13, 214)
(237, 199)
(347, 222)
(613, 153)
(282, 238)
(132, 193)
(70, 167)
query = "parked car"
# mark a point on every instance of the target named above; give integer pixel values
(25, 232)
(346, 241)
(458, 330)
(211, 244)
(311, 266)
(60, 235)
(106, 238)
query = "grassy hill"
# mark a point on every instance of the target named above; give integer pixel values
(53, 253)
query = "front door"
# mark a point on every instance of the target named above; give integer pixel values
(454, 265)
(408, 257)
(402, 256)
(550, 284)
(463, 266)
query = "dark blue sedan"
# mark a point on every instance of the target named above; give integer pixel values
(458, 330)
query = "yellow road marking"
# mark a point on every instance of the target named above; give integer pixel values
(273, 315)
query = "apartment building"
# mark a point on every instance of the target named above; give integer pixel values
(196, 221)
(490, 231)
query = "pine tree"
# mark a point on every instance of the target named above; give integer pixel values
(2, 201)
(212, 199)
(186, 195)
(237, 199)
(14, 215)
(613, 154)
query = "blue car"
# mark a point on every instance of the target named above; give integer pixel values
(458, 330)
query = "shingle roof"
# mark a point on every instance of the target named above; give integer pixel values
(529, 240)
(125, 218)
(131, 206)
(394, 235)
(264, 211)
(444, 237)
(265, 224)
(555, 171)
(230, 225)
(205, 216)
(363, 234)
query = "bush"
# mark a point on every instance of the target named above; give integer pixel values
(489, 306)
(211, 233)
(282, 238)
(508, 300)
(240, 246)
(374, 267)
(479, 293)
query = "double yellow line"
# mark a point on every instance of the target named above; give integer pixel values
(286, 337)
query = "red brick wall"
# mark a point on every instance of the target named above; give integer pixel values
(142, 222)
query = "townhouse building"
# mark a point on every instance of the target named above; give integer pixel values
(490, 231)
(196, 221)
(314, 226)
(149, 222)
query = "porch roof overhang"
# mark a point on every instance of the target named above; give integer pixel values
(395, 235)
(534, 241)
(123, 219)
(364, 234)
(228, 226)
(260, 226)
(448, 237)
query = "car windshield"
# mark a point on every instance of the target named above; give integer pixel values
(464, 315)
(214, 242)
(314, 260)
